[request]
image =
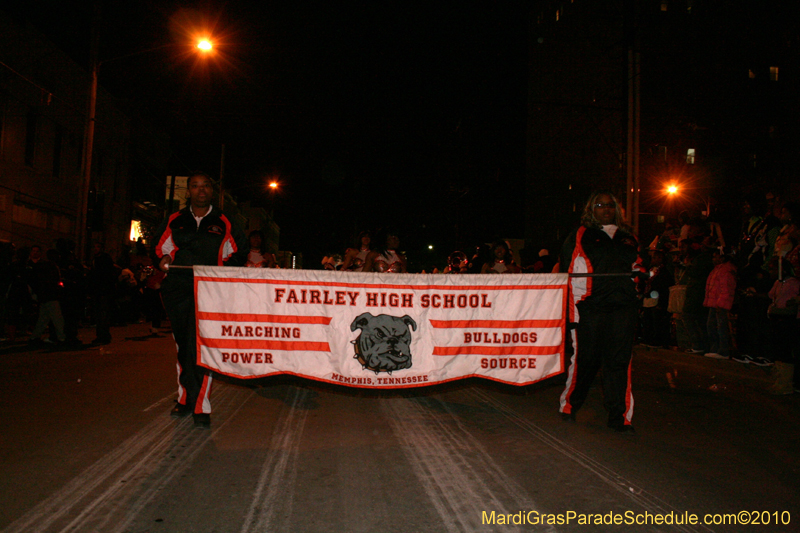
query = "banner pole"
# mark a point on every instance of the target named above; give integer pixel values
(581, 275)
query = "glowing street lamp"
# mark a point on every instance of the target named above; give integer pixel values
(672, 190)
(81, 227)
(273, 185)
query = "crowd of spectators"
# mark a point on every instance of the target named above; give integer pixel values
(730, 297)
(47, 296)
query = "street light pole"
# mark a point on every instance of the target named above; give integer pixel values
(82, 229)
(88, 142)
(221, 178)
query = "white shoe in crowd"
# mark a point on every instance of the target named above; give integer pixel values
(715, 355)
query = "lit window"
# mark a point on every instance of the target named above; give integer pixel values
(773, 73)
(751, 74)
(558, 14)
(664, 6)
(690, 156)
(136, 230)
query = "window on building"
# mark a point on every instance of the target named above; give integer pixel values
(30, 137)
(751, 74)
(2, 122)
(137, 230)
(77, 142)
(62, 224)
(690, 156)
(773, 73)
(58, 142)
(29, 216)
(664, 6)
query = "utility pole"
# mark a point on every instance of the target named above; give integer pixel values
(633, 187)
(221, 178)
(88, 141)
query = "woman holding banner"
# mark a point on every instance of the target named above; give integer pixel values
(601, 253)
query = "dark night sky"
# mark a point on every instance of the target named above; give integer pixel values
(370, 113)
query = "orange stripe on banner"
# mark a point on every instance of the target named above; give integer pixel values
(492, 350)
(253, 317)
(304, 346)
(497, 323)
(461, 288)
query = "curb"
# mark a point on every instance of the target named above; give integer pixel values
(755, 376)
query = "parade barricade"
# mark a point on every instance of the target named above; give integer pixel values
(380, 330)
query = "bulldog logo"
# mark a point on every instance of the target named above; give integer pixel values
(384, 342)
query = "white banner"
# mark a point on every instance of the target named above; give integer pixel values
(380, 330)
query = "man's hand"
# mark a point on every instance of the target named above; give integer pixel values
(163, 265)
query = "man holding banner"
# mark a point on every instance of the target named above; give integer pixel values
(601, 256)
(195, 235)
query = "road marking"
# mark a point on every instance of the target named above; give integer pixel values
(651, 503)
(108, 495)
(159, 402)
(458, 474)
(279, 472)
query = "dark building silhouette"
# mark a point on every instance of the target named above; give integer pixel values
(43, 101)
(718, 107)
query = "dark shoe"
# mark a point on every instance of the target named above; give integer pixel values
(180, 411)
(568, 417)
(621, 427)
(202, 420)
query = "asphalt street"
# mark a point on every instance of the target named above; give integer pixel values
(87, 445)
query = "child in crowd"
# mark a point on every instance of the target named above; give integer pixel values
(720, 292)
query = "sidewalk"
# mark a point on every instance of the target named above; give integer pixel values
(751, 375)
(121, 340)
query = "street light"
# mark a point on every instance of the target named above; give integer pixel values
(83, 207)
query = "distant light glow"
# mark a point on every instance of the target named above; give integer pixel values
(273, 184)
(430, 247)
(672, 189)
(136, 230)
(205, 45)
